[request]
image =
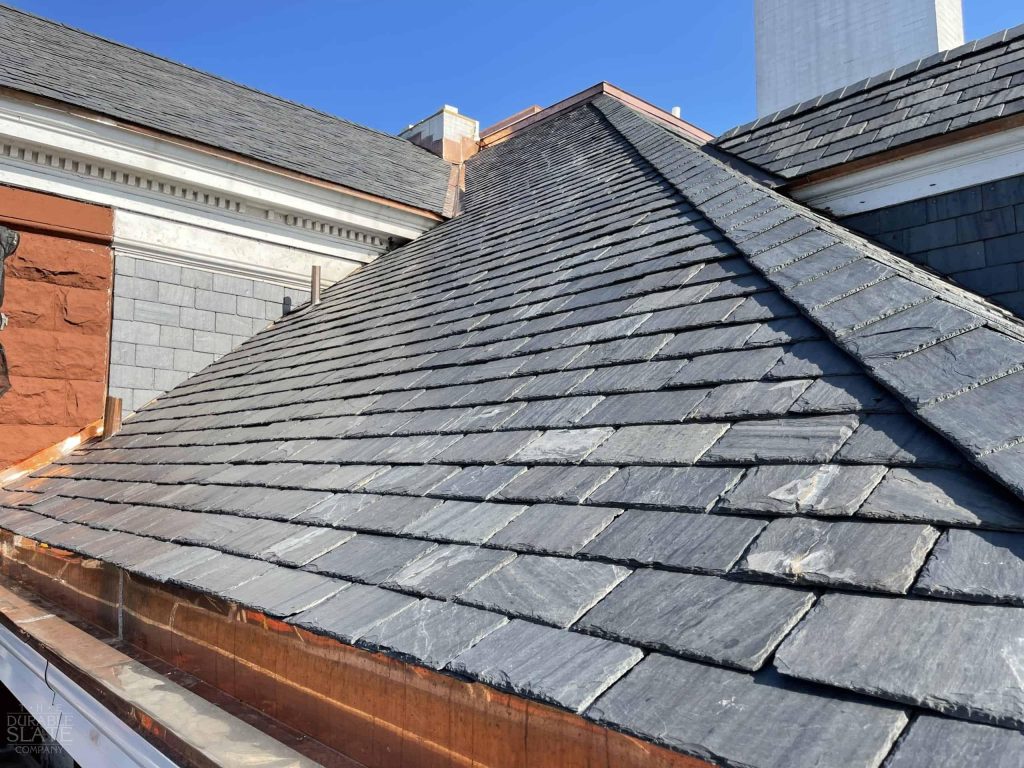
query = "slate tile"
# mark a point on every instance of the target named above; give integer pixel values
(370, 558)
(645, 408)
(468, 522)
(562, 446)
(690, 489)
(335, 509)
(413, 480)
(305, 544)
(715, 339)
(965, 745)
(389, 514)
(432, 633)
(961, 660)
(808, 359)
(476, 483)
(281, 592)
(551, 590)
(701, 617)
(799, 440)
(841, 282)
(563, 668)
(985, 418)
(219, 574)
(898, 439)
(485, 448)
(557, 484)
(692, 542)
(634, 349)
(560, 529)
(792, 489)
(866, 306)
(985, 567)
(910, 330)
(787, 331)
(657, 444)
(816, 265)
(719, 367)
(750, 398)
(877, 557)
(845, 394)
(945, 497)
(353, 612)
(737, 719)
(549, 414)
(448, 570)
(638, 377)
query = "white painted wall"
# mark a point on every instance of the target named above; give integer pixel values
(807, 48)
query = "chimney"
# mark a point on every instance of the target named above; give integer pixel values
(807, 48)
(446, 133)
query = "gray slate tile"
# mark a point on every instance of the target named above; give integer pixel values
(878, 557)
(898, 439)
(693, 542)
(551, 590)
(965, 745)
(552, 485)
(558, 529)
(562, 446)
(689, 489)
(791, 489)
(556, 666)
(431, 632)
(352, 612)
(962, 660)
(282, 592)
(663, 444)
(645, 408)
(797, 440)
(736, 719)
(467, 522)
(448, 571)
(750, 399)
(370, 558)
(702, 617)
(984, 566)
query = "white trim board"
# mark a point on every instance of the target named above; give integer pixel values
(960, 165)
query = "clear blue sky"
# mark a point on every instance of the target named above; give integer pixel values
(387, 63)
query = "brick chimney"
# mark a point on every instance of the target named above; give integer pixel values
(807, 48)
(446, 133)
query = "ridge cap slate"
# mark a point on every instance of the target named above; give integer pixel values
(648, 140)
(873, 81)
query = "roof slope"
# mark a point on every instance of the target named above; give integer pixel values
(48, 59)
(979, 81)
(578, 444)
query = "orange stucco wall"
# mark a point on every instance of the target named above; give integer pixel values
(57, 296)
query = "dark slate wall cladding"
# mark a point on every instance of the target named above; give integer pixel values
(974, 236)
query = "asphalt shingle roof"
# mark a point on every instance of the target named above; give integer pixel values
(648, 434)
(979, 81)
(45, 58)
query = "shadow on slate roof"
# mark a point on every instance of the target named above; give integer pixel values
(48, 59)
(980, 81)
(621, 424)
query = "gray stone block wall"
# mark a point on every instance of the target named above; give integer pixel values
(172, 321)
(973, 235)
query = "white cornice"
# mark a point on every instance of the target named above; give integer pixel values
(51, 150)
(956, 166)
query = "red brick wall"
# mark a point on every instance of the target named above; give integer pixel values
(58, 300)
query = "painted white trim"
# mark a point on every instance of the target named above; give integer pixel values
(51, 150)
(62, 708)
(960, 165)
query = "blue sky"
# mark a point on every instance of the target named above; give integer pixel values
(387, 63)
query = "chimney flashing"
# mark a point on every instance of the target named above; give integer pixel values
(447, 133)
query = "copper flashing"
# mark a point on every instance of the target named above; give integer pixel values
(511, 119)
(52, 453)
(497, 134)
(372, 708)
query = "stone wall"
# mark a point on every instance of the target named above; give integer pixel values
(57, 298)
(975, 236)
(172, 321)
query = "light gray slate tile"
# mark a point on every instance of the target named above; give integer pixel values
(562, 446)
(285, 591)
(389, 514)
(702, 543)
(431, 632)
(962, 660)
(657, 444)
(909, 330)
(352, 612)
(556, 412)
(645, 408)
(556, 484)
(798, 440)
(476, 483)
(702, 617)
(985, 418)
(943, 496)
(487, 448)
(813, 358)
(448, 570)
(638, 377)
(370, 558)
(413, 480)
(750, 398)
(738, 720)
(791, 489)
(689, 489)
(965, 745)
(551, 590)
(556, 666)
(878, 557)
(560, 529)
(741, 365)
(845, 394)
(467, 522)
(986, 567)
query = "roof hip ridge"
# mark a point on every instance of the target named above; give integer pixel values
(780, 233)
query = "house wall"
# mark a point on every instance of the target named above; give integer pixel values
(974, 235)
(58, 301)
(171, 321)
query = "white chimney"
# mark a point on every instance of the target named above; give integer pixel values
(807, 48)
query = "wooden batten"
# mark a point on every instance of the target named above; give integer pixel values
(372, 708)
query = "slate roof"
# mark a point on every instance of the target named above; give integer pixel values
(633, 435)
(45, 58)
(950, 90)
